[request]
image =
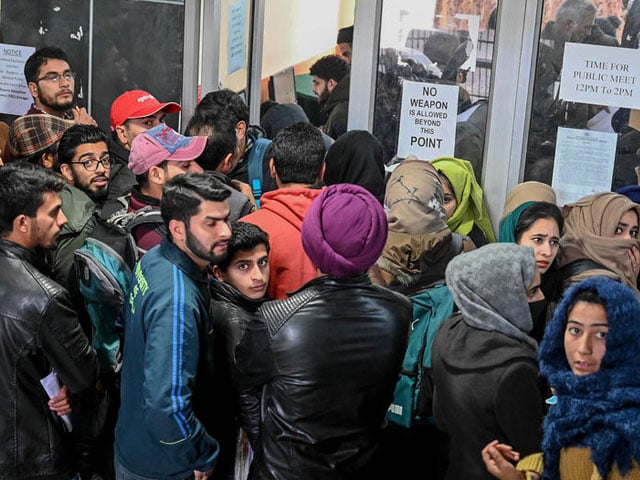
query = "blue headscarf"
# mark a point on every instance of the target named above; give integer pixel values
(600, 411)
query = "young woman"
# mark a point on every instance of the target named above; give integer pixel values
(600, 238)
(591, 357)
(532, 218)
(484, 363)
(464, 200)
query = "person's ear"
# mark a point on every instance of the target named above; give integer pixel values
(177, 230)
(33, 89)
(48, 160)
(123, 137)
(157, 175)
(22, 224)
(272, 169)
(331, 84)
(67, 173)
(226, 165)
(219, 274)
(241, 129)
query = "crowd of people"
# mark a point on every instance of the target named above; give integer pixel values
(271, 300)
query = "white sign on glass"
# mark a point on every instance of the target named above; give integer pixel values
(427, 120)
(601, 75)
(583, 163)
(15, 98)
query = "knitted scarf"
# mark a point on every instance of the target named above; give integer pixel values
(489, 286)
(600, 411)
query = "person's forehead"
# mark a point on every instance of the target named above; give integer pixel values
(84, 148)
(54, 65)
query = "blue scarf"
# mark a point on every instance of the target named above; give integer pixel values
(600, 411)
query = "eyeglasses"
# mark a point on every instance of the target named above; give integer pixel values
(55, 77)
(91, 164)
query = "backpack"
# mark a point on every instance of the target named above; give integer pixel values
(255, 165)
(413, 395)
(104, 266)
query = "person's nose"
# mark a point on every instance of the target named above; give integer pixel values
(585, 346)
(63, 82)
(545, 249)
(62, 219)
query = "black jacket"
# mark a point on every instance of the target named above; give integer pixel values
(39, 331)
(335, 348)
(233, 406)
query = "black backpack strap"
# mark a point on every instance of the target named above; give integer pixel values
(575, 268)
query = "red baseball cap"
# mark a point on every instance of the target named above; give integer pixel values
(138, 104)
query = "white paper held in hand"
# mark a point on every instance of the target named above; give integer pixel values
(51, 385)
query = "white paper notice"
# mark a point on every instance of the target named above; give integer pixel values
(15, 98)
(427, 120)
(601, 75)
(583, 163)
(51, 385)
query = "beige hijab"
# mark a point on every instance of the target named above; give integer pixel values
(415, 212)
(528, 192)
(589, 233)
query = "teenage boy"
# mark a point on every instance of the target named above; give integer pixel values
(239, 288)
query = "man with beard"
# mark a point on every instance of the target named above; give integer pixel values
(84, 162)
(164, 417)
(40, 330)
(52, 85)
(331, 85)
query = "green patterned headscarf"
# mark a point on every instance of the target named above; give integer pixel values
(471, 209)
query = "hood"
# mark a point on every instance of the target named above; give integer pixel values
(290, 204)
(463, 347)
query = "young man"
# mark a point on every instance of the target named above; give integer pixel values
(40, 330)
(219, 157)
(297, 165)
(132, 113)
(331, 84)
(35, 138)
(328, 357)
(158, 155)
(52, 85)
(163, 429)
(237, 292)
(224, 110)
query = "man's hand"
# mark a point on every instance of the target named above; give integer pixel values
(82, 117)
(61, 403)
(202, 475)
(495, 457)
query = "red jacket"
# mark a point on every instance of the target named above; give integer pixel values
(280, 215)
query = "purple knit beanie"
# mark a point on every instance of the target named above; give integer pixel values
(344, 230)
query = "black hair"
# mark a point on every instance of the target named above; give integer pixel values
(223, 105)
(330, 67)
(244, 237)
(22, 189)
(36, 158)
(535, 212)
(220, 143)
(588, 296)
(40, 58)
(142, 179)
(183, 194)
(298, 153)
(75, 136)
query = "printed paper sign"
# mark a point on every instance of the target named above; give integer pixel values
(236, 45)
(583, 163)
(601, 75)
(15, 98)
(428, 120)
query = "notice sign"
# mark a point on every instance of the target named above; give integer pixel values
(236, 47)
(15, 98)
(601, 75)
(583, 163)
(427, 120)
